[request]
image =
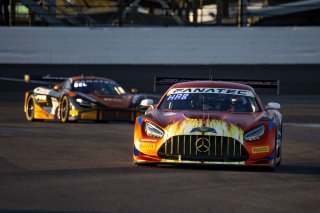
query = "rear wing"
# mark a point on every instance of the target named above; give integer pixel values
(34, 79)
(273, 84)
(47, 79)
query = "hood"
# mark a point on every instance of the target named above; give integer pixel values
(243, 120)
(205, 123)
(114, 101)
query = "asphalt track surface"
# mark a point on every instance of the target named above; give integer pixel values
(87, 167)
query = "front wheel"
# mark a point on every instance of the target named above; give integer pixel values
(64, 109)
(277, 154)
(279, 137)
(30, 108)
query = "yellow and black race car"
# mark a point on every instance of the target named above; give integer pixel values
(82, 98)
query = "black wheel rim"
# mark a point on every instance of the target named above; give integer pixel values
(64, 109)
(30, 109)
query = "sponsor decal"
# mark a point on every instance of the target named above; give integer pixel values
(177, 97)
(41, 90)
(45, 91)
(84, 83)
(260, 149)
(41, 98)
(147, 146)
(210, 90)
(113, 99)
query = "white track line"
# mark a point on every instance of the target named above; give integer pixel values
(312, 125)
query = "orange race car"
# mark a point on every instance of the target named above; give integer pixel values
(82, 98)
(209, 122)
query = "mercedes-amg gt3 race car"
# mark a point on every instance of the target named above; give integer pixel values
(209, 122)
(82, 98)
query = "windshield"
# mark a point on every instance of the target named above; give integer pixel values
(210, 99)
(94, 86)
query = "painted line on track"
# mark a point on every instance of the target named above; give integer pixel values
(310, 125)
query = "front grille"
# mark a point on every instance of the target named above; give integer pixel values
(203, 148)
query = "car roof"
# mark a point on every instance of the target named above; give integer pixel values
(81, 77)
(212, 84)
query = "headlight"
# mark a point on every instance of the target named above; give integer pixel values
(79, 100)
(254, 134)
(153, 131)
(83, 102)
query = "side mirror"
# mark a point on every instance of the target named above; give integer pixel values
(146, 102)
(56, 87)
(273, 105)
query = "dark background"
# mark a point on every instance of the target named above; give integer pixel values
(302, 79)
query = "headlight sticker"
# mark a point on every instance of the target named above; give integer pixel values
(153, 131)
(255, 133)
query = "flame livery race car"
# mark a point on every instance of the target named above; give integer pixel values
(209, 122)
(82, 98)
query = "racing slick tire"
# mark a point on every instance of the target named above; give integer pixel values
(279, 136)
(277, 152)
(64, 109)
(30, 109)
(151, 164)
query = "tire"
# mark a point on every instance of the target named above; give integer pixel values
(64, 109)
(279, 136)
(30, 108)
(277, 152)
(146, 164)
(30, 113)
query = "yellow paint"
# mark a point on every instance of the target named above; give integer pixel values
(40, 113)
(74, 112)
(260, 149)
(89, 115)
(147, 146)
(221, 127)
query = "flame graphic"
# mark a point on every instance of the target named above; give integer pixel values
(222, 128)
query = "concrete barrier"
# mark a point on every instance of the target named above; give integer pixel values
(160, 46)
(133, 56)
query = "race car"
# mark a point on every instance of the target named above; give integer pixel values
(82, 98)
(209, 122)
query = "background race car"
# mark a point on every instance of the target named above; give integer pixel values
(210, 122)
(82, 98)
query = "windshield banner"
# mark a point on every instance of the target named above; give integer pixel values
(227, 91)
